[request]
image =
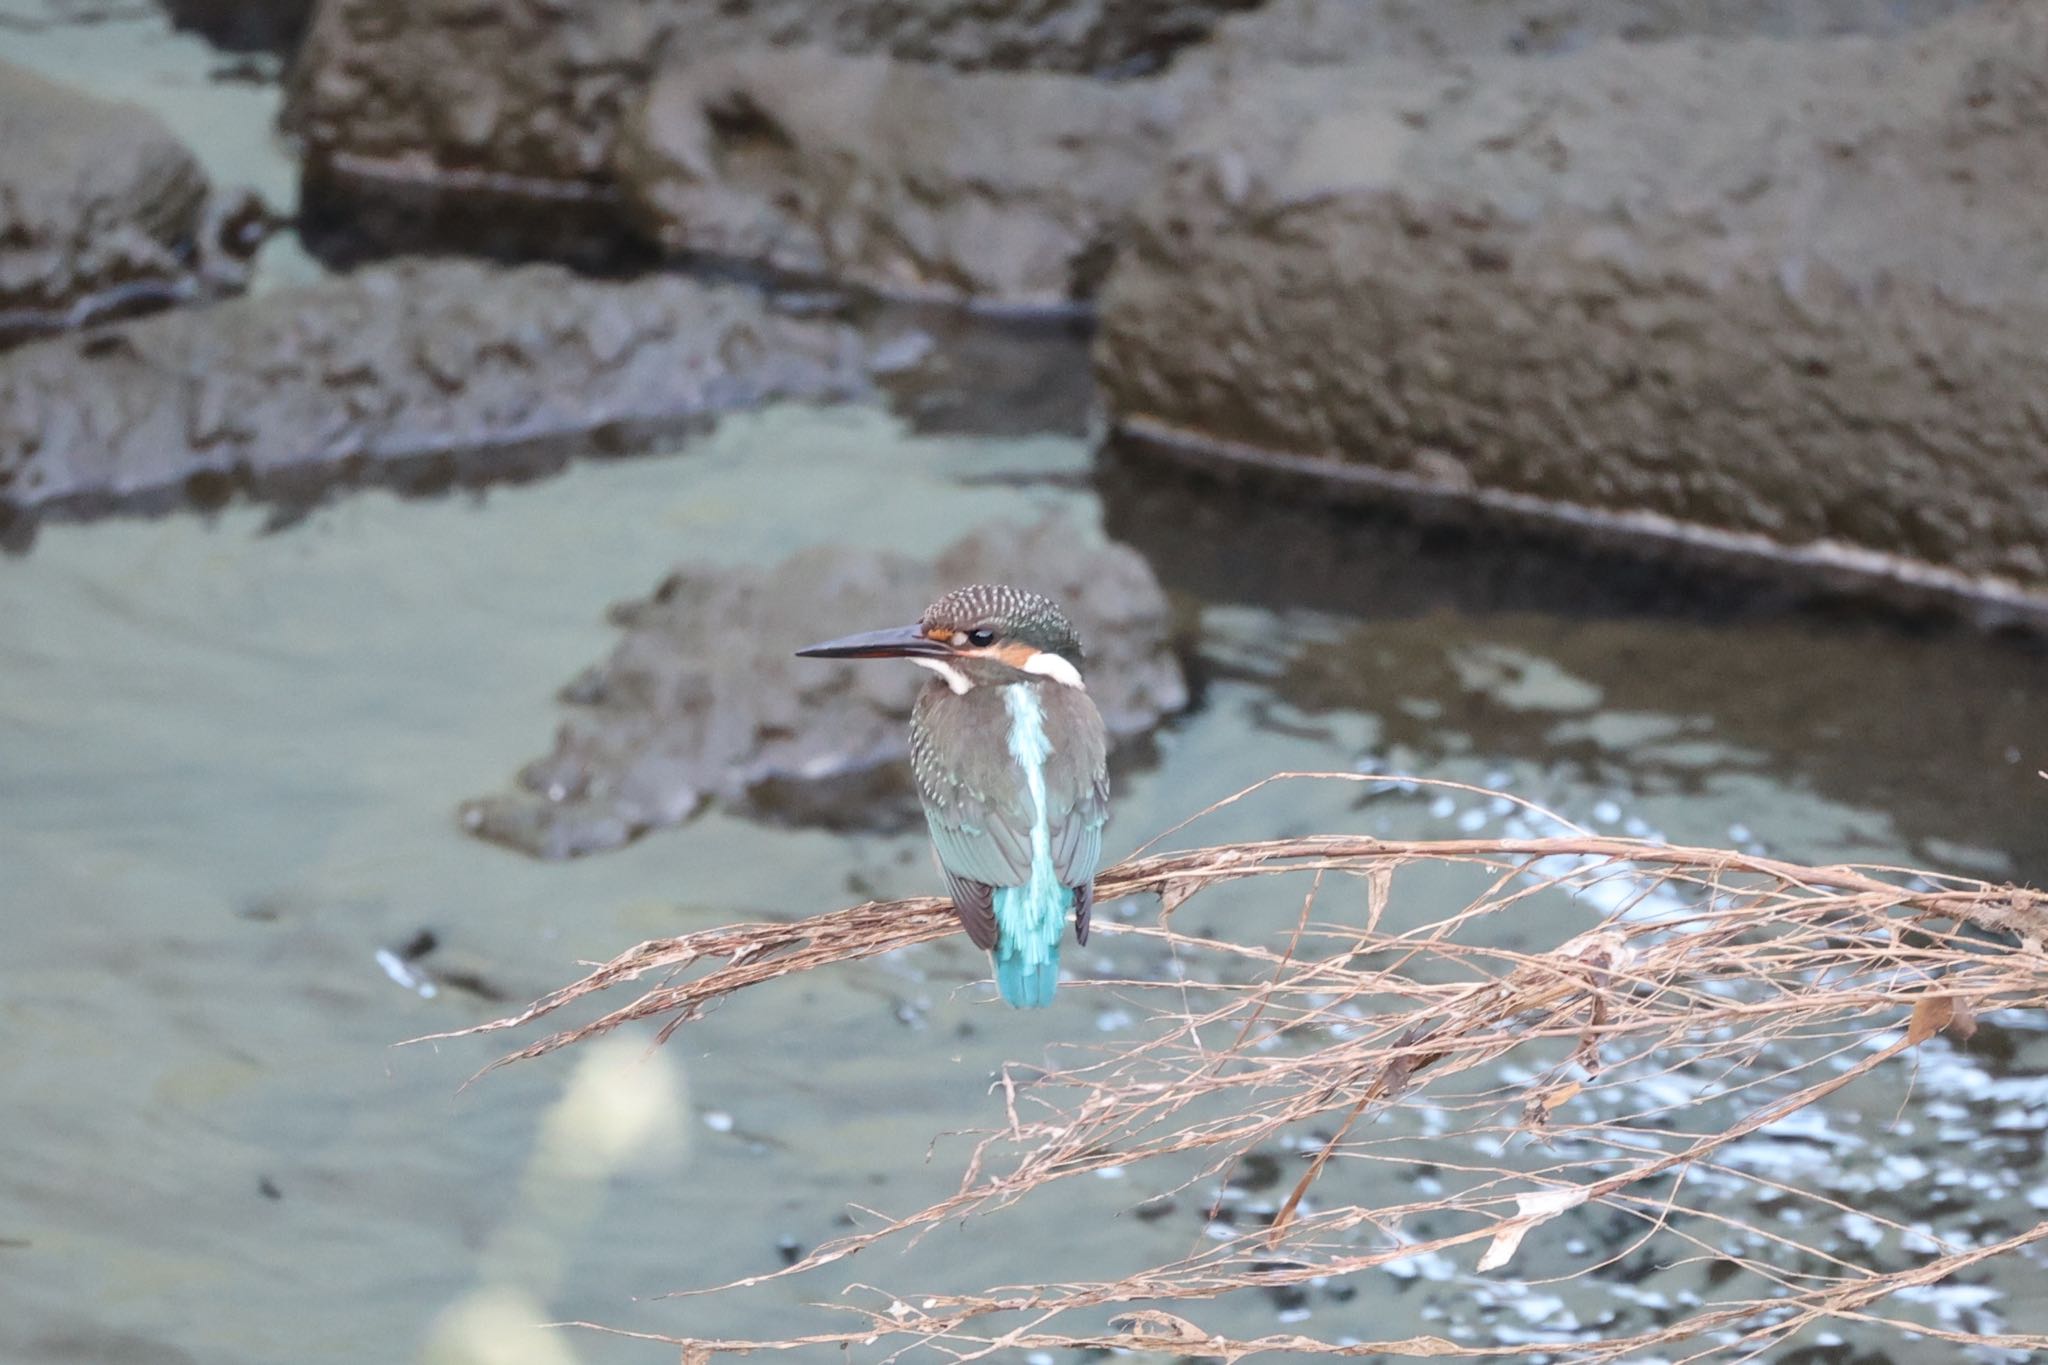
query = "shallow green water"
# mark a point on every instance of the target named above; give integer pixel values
(231, 763)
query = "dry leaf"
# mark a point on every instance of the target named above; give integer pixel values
(1931, 1014)
(1161, 1329)
(1587, 1053)
(1536, 1113)
(1379, 884)
(1603, 950)
(1530, 1209)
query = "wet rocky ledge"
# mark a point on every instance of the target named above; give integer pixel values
(104, 212)
(412, 367)
(536, 93)
(1782, 299)
(1010, 181)
(1647, 271)
(1003, 188)
(703, 700)
(925, 148)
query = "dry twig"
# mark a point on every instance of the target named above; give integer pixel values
(1755, 986)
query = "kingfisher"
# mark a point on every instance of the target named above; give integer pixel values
(1009, 753)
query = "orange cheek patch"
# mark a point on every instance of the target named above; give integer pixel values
(1015, 655)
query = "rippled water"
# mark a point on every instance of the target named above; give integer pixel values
(230, 756)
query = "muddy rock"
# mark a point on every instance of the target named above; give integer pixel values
(103, 211)
(919, 182)
(1783, 298)
(703, 698)
(529, 97)
(414, 364)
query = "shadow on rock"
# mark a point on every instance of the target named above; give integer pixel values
(703, 698)
(1330, 547)
(949, 372)
(244, 25)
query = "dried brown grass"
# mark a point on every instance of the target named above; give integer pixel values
(1764, 985)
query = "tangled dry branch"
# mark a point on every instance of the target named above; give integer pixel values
(1615, 1072)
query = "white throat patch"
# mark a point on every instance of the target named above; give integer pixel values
(955, 679)
(1046, 664)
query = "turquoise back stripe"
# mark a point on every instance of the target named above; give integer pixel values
(1032, 918)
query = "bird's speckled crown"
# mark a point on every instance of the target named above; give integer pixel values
(1015, 614)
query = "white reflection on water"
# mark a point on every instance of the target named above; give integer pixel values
(622, 1110)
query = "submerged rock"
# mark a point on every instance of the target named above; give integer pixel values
(703, 699)
(412, 361)
(419, 88)
(1785, 299)
(103, 211)
(913, 180)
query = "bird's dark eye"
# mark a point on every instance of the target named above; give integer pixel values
(981, 637)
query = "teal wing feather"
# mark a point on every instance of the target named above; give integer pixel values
(971, 877)
(977, 842)
(1077, 791)
(979, 846)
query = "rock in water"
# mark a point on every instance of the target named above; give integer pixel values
(704, 700)
(405, 87)
(103, 211)
(407, 362)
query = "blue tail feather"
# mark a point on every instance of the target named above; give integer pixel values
(1028, 986)
(1030, 921)
(1032, 918)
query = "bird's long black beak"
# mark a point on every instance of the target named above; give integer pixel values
(898, 642)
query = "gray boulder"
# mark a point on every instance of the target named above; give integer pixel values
(703, 699)
(102, 210)
(399, 363)
(1777, 298)
(920, 182)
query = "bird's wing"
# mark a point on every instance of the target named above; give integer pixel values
(978, 853)
(1077, 794)
(977, 839)
(975, 905)
(1084, 911)
(980, 845)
